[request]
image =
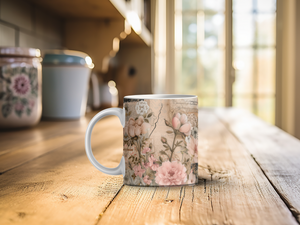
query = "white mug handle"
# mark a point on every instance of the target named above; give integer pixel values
(120, 169)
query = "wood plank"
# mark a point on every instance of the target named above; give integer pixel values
(22, 155)
(276, 152)
(19, 155)
(62, 187)
(232, 189)
(44, 130)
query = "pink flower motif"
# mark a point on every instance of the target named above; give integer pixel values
(125, 130)
(171, 173)
(163, 140)
(131, 121)
(131, 130)
(192, 146)
(154, 167)
(145, 128)
(152, 163)
(146, 149)
(146, 165)
(180, 122)
(176, 123)
(137, 130)
(140, 120)
(192, 178)
(146, 180)
(186, 129)
(177, 115)
(20, 85)
(152, 159)
(31, 103)
(138, 171)
(19, 106)
(183, 119)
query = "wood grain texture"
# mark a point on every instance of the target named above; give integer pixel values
(43, 131)
(56, 184)
(62, 187)
(276, 152)
(232, 189)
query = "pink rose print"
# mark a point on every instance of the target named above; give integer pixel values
(151, 163)
(136, 127)
(176, 123)
(138, 171)
(183, 119)
(160, 148)
(146, 149)
(19, 90)
(125, 129)
(171, 173)
(180, 122)
(140, 120)
(131, 121)
(154, 166)
(31, 103)
(20, 85)
(145, 128)
(186, 129)
(137, 130)
(177, 115)
(19, 106)
(146, 180)
(131, 130)
(146, 165)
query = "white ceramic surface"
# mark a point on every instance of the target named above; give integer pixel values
(65, 90)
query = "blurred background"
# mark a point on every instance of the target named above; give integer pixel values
(240, 53)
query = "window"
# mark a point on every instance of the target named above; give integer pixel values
(254, 56)
(200, 53)
(200, 50)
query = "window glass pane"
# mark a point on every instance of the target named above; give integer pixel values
(178, 65)
(266, 6)
(266, 70)
(266, 109)
(266, 29)
(189, 4)
(243, 102)
(214, 30)
(212, 5)
(243, 30)
(211, 71)
(188, 77)
(242, 6)
(243, 65)
(189, 29)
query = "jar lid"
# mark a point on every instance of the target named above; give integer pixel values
(18, 51)
(67, 57)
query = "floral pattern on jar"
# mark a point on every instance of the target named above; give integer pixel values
(18, 89)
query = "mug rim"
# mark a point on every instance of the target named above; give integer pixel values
(160, 96)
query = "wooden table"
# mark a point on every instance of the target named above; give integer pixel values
(249, 174)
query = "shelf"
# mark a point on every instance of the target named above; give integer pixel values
(95, 10)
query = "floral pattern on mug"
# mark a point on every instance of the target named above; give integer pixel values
(18, 89)
(161, 142)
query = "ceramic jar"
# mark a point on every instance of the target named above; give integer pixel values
(20, 87)
(66, 75)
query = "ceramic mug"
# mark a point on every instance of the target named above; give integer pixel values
(160, 140)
